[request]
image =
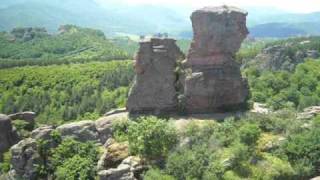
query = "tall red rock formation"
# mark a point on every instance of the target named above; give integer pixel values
(154, 90)
(215, 83)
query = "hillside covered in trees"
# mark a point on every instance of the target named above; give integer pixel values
(59, 93)
(34, 46)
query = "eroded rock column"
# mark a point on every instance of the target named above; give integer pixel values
(154, 87)
(215, 83)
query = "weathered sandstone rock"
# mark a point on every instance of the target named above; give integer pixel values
(28, 117)
(25, 159)
(215, 83)
(82, 131)
(154, 87)
(8, 135)
(113, 155)
(104, 125)
(130, 168)
(43, 133)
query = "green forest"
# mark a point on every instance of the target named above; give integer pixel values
(59, 93)
(73, 44)
(79, 74)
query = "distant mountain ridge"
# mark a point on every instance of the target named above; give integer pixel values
(119, 19)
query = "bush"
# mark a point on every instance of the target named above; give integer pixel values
(69, 148)
(304, 148)
(23, 128)
(271, 167)
(76, 167)
(249, 134)
(151, 137)
(188, 163)
(5, 164)
(120, 130)
(156, 174)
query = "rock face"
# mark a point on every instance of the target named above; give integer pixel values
(25, 159)
(130, 169)
(28, 117)
(8, 135)
(276, 57)
(154, 87)
(215, 83)
(81, 131)
(309, 113)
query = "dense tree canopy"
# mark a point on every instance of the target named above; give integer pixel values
(65, 92)
(73, 44)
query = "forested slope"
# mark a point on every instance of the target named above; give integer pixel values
(65, 92)
(73, 44)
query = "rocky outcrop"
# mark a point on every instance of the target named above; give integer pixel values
(260, 108)
(104, 125)
(215, 83)
(25, 159)
(154, 86)
(8, 135)
(130, 169)
(27, 34)
(309, 113)
(114, 154)
(82, 131)
(277, 57)
(43, 132)
(28, 117)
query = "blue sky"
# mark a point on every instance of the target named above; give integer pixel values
(300, 6)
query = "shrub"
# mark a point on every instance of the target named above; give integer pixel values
(199, 133)
(271, 167)
(5, 164)
(120, 130)
(249, 134)
(76, 167)
(156, 174)
(23, 128)
(70, 148)
(151, 137)
(304, 148)
(188, 163)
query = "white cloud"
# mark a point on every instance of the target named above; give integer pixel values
(288, 5)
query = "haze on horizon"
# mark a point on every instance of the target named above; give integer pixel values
(294, 6)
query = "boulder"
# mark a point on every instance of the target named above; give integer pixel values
(43, 132)
(82, 131)
(8, 135)
(113, 156)
(104, 125)
(260, 108)
(215, 83)
(314, 54)
(122, 172)
(154, 90)
(28, 117)
(309, 112)
(25, 159)
(131, 168)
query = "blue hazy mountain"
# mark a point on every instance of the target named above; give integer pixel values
(115, 18)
